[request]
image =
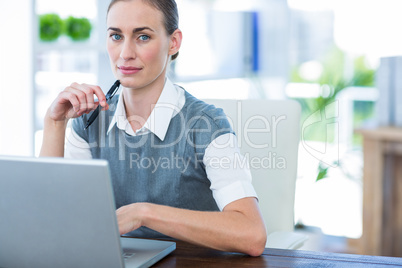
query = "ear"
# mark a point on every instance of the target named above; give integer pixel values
(175, 42)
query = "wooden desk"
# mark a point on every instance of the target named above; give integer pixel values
(188, 255)
(382, 192)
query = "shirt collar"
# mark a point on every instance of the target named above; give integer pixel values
(160, 117)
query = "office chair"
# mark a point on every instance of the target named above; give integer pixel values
(268, 133)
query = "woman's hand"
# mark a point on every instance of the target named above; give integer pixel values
(72, 102)
(129, 217)
(76, 100)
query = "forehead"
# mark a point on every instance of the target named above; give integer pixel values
(134, 13)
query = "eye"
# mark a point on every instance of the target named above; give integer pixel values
(116, 37)
(144, 37)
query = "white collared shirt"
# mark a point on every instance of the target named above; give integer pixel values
(230, 180)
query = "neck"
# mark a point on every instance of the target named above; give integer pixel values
(139, 103)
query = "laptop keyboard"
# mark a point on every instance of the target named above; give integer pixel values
(127, 253)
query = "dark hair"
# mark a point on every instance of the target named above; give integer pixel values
(169, 11)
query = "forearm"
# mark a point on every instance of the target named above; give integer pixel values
(54, 133)
(227, 230)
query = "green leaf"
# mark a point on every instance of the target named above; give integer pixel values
(322, 173)
(78, 28)
(50, 27)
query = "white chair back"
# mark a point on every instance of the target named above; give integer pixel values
(268, 134)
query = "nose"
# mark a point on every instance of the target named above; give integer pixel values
(127, 51)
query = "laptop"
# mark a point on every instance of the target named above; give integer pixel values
(57, 212)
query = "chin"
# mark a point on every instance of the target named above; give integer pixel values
(127, 82)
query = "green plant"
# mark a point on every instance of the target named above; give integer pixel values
(50, 27)
(334, 78)
(322, 172)
(78, 28)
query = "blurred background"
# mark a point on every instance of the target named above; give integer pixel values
(322, 53)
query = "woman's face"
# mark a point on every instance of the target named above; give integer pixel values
(137, 43)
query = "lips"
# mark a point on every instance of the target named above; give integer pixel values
(129, 69)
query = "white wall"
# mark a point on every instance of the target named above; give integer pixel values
(16, 112)
(274, 47)
(274, 37)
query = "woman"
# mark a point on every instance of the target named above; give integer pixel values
(161, 143)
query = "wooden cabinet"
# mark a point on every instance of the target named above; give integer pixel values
(382, 192)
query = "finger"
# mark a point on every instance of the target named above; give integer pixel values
(72, 98)
(86, 96)
(106, 107)
(81, 97)
(89, 91)
(99, 93)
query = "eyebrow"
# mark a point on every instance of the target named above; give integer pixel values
(135, 30)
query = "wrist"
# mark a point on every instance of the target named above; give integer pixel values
(58, 124)
(53, 137)
(145, 213)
